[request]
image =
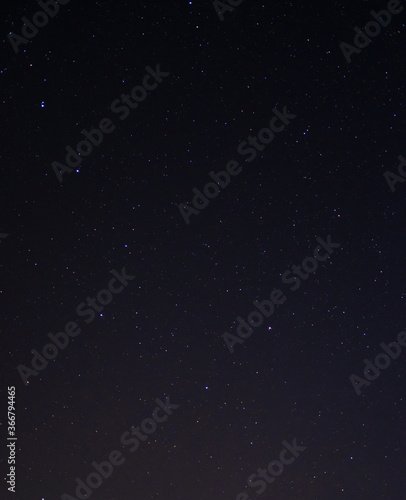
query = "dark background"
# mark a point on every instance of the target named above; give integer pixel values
(162, 335)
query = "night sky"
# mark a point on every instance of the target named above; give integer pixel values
(260, 159)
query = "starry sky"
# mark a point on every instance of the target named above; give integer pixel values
(325, 175)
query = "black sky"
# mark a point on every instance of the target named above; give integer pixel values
(162, 335)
